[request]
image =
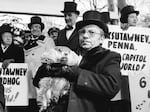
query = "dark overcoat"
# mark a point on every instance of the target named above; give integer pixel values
(13, 52)
(72, 43)
(99, 80)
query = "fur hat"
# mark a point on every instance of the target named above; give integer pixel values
(126, 11)
(92, 17)
(70, 7)
(6, 28)
(36, 20)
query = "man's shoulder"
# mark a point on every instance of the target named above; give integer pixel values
(62, 30)
(16, 47)
(114, 55)
(111, 53)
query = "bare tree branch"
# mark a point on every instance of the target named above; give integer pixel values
(90, 3)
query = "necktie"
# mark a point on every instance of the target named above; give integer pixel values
(69, 28)
(5, 47)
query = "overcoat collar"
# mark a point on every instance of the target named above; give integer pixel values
(93, 56)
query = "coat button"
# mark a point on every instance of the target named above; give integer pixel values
(85, 83)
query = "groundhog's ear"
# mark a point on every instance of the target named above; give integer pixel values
(58, 49)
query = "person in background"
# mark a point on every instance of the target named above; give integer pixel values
(2, 98)
(128, 17)
(35, 44)
(53, 33)
(69, 36)
(97, 79)
(9, 53)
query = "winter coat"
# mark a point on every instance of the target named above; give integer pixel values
(13, 52)
(33, 52)
(99, 80)
(72, 43)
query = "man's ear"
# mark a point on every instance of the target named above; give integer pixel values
(102, 38)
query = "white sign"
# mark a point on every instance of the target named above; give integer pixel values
(14, 79)
(140, 91)
(133, 45)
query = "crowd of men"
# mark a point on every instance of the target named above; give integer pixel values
(94, 82)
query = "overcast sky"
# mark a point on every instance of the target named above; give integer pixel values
(55, 6)
(33, 6)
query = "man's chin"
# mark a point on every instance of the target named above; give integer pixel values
(85, 47)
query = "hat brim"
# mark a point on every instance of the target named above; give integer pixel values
(42, 25)
(137, 12)
(77, 12)
(54, 31)
(84, 23)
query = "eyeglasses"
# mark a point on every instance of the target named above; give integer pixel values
(89, 32)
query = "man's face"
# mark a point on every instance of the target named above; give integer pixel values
(54, 35)
(7, 38)
(70, 18)
(36, 29)
(90, 36)
(132, 19)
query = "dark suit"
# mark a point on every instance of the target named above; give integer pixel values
(72, 43)
(99, 80)
(13, 52)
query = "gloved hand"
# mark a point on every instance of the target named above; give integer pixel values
(7, 62)
(70, 73)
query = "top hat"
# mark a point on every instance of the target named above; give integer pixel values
(36, 20)
(92, 17)
(126, 11)
(6, 28)
(105, 17)
(53, 29)
(70, 7)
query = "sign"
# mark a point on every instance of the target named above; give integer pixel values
(133, 45)
(14, 79)
(139, 84)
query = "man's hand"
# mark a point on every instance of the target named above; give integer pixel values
(70, 73)
(7, 62)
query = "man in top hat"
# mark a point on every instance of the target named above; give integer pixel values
(129, 16)
(97, 78)
(69, 36)
(35, 44)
